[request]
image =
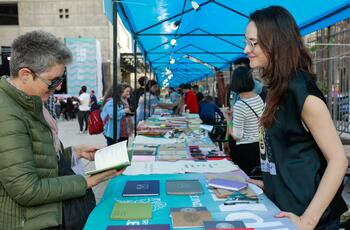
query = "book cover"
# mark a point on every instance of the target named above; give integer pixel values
(224, 193)
(141, 227)
(141, 188)
(189, 219)
(230, 229)
(146, 152)
(223, 224)
(131, 211)
(111, 157)
(188, 209)
(183, 187)
(227, 184)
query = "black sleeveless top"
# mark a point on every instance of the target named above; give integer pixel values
(291, 162)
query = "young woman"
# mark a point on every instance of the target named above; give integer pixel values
(149, 101)
(302, 159)
(244, 127)
(107, 112)
(127, 122)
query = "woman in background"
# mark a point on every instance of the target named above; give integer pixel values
(149, 101)
(107, 112)
(244, 127)
(127, 122)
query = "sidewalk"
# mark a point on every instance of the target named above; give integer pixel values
(70, 136)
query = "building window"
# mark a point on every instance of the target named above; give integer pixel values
(8, 14)
(63, 14)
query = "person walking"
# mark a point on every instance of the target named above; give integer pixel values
(93, 101)
(84, 108)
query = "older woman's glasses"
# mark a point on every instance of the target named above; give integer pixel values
(51, 85)
(251, 44)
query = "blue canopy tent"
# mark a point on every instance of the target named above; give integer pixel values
(188, 40)
(209, 33)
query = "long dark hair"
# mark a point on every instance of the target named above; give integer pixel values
(149, 85)
(280, 40)
(120, 89)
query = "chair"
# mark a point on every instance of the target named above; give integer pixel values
(218, 134)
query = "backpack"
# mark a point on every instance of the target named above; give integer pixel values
(95, 122)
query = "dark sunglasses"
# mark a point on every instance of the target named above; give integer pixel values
(51, 85)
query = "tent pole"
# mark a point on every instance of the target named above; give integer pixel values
(144, 93)
(229, 87)
(135, 77)
(115, 70)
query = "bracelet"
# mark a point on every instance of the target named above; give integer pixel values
(229, 124)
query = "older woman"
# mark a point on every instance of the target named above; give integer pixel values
(32, 157)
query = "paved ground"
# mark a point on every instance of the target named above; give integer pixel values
(69, 135)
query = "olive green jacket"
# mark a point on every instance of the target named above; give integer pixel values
(31, 192)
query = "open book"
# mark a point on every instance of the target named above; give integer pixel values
(112, 157)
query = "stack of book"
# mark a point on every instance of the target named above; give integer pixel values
(221, 192)
(172, 152)
(144, 152)
(227, 184)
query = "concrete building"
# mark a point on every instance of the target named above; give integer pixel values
(65, 19)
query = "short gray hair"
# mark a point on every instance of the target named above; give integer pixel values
(39, 51)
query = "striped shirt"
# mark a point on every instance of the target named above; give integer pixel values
(245, 122)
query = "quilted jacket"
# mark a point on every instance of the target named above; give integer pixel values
(30, 189)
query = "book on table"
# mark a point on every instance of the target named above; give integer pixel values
(141, 188)
(183, 187)
(227, 184)
(131, 211)
(188, 218)
(140, 227)
(188, 209)
(223, 225)
(111, 157)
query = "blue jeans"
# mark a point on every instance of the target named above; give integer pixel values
(331, 225)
